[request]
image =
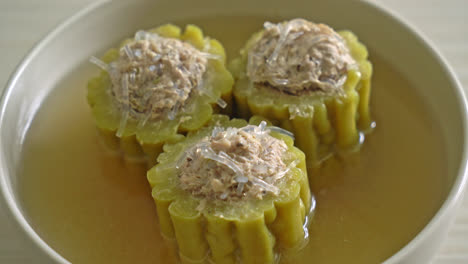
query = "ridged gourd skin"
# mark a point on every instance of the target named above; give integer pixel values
(244, 231)
(321, 124)
(147, 142)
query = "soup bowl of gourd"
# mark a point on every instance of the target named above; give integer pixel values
(233, 132)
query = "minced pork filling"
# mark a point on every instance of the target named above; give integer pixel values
(154, 76)
(298, 57)
(234, 164)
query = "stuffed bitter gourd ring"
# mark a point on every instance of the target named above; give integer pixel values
(308, 79)
(232, 192)
(160, 84)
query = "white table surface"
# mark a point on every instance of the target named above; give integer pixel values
(24, 22)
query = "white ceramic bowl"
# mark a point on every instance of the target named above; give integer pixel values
(104, 23)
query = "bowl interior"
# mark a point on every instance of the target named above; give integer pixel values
(103, 25)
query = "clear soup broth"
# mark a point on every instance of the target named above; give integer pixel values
(92, 207)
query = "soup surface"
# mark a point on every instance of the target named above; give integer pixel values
(92, 207)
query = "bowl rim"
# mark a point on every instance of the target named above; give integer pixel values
(454, 195)
(5, 186)
(459, 185)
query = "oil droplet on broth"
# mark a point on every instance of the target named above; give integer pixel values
(94, 208)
